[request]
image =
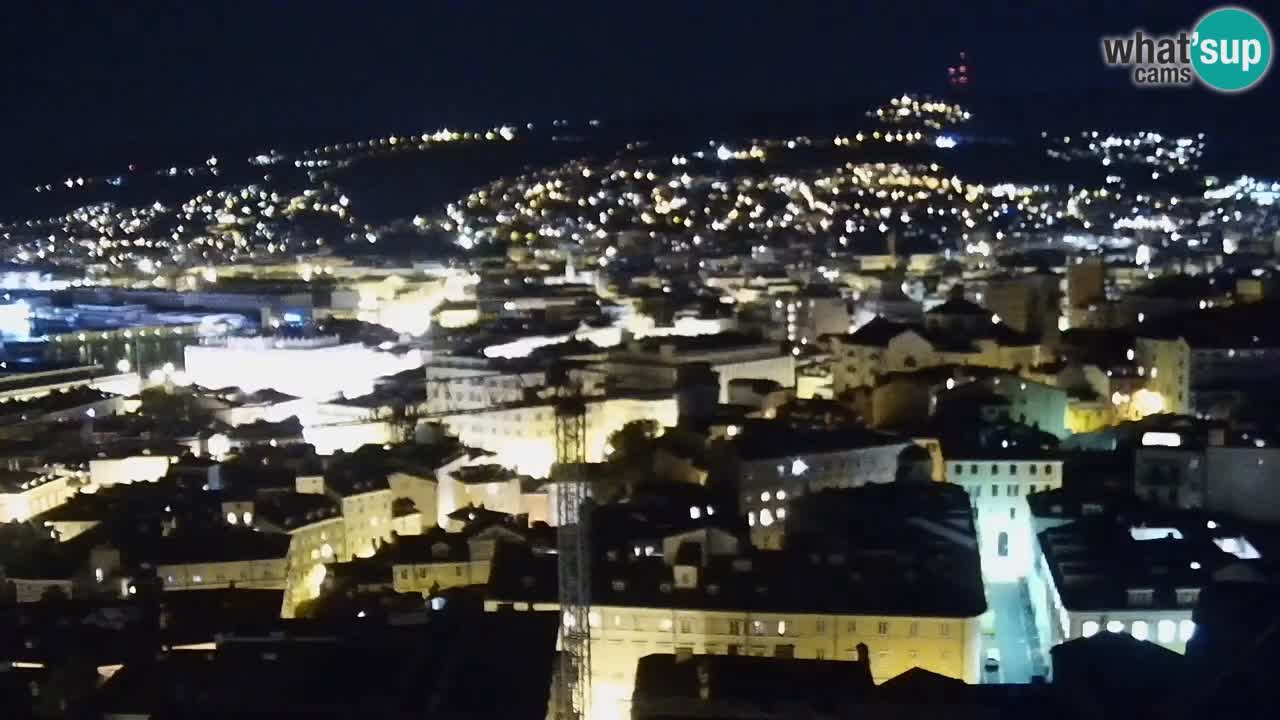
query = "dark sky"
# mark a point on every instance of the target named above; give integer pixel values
(96, 81)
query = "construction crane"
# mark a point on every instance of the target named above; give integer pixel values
(572, 690)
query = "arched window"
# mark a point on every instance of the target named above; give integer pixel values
(1002, 544)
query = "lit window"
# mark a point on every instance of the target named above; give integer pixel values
(764, 496)
(766, 518)
(695, 512)
(883, 628)
(1089, 629)
(197, 578)
(1165, 631)
(798, 466)
(782, 627)
(1139, 629)
(232, 518)
(1186, 629)
(781, 513)
(751, 519)
(665, 624)
(780, 495)
(1115, 626)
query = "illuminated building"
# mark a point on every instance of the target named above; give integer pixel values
(656, 362)
(1100, 574)
(316, 367)
(803, 318)
(438, 560)
(366, 513)
(24, 494)
(479, 484)
(694, 588)
(777, 464)
(316, 533)
(1166, 364)
(522, 435)
(232, 558)
(998, 483)
(881, 346)
(127, 467)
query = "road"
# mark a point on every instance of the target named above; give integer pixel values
(1013, 634)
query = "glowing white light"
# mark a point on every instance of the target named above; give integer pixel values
(1139, 630)
(124, 365)
(945, 142)
(1165, 631)
(1161, 439)
(798, 466)
(1115, 626)
(232, 518)
(1089, 628)
(1186, 628)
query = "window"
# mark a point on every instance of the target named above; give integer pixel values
(1186, 629)
(821, 626)
(1089, 628)
(1013, 490)
(664, 624)
(1002, 544)
(784, 650)
(1013, 469)
(1188, 596)
(1165, 630)
(686, 625)
(1048, 469)
(1115, 626)
(852, 627)
(995, 469)
(821, 654)
(995, 490)
(973, 469)
(735, 627)
(1013, 513)
(959, 469)
(757, 627)
(404, 573)
(944, 629)
(457, 571)
(734, 649)
(1138, 630)
(913, 629)
(1032, 468)
(883, 628)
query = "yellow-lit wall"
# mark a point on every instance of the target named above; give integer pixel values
(269, 574)
(310, 547)
(620, 636)
(19, 506)
(367, 520)
(421, 577)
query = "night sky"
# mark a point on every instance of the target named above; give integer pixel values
(92, 83)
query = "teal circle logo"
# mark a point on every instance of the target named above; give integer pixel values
(1231, 49)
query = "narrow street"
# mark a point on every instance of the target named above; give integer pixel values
(1013, 635)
